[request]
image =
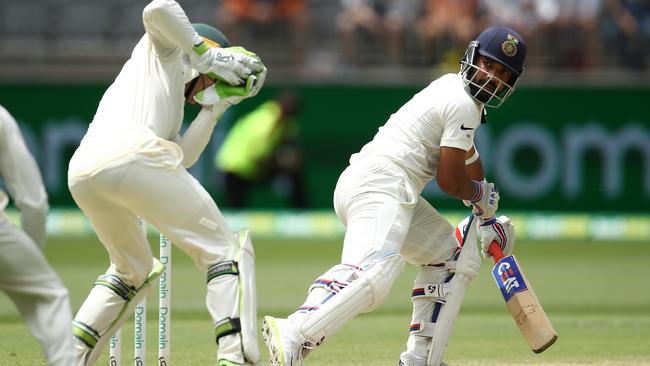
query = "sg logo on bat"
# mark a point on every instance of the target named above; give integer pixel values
(508, 277)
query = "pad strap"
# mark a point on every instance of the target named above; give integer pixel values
(422, 328)
(331, 285)
(223, 268)
(85, 333)
(434, 291)
(118, 286)
(226, 327)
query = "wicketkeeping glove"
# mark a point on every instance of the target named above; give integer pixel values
(232, 64)
(499, 229)
(261, 75)
(222, 93)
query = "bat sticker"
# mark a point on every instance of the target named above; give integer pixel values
(508, 277)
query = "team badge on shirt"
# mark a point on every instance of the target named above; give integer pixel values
(509, 46)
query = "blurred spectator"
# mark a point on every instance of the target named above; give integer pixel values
(627, 31)
(580, 20)
(591, 35)
(262, 146)
(452, 21)
(520, 15)
(283, 21)
(383, 21)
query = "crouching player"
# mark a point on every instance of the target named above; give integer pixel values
(387, 222)
(132, 163)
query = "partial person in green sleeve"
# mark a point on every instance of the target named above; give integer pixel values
(261, 146)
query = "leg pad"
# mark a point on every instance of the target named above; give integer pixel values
(105, 311)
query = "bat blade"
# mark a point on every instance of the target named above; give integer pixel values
(526, 310)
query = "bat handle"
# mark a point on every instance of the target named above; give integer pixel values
(495, 251)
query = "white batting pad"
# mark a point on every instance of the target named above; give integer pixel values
(364, 294)
(467, 266)
(429, 295)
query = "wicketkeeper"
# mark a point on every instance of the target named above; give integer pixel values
(389, 223)
(25, 275)
(133, 163)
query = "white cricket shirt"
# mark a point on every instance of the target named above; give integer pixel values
(149, 90)
(143, 108)
(442, 114)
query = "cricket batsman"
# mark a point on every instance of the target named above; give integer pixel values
(389, 223)
(133, 163)
(25, 275)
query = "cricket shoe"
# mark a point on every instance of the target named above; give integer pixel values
(409, 359)
(285, 344)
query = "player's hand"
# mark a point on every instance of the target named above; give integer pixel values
(260, 75)
(499, 229)
(261, 78)
(485, 201)
(233, 65)
(225, 94)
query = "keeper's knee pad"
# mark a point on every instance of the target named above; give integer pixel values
(232, 302)
(108, 306)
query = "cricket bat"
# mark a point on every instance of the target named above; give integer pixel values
(521, 301)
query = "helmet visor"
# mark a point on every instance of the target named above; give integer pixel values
(484, 86)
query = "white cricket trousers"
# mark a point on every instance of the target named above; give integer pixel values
(136, 174)
(31, 283)
(384, 215)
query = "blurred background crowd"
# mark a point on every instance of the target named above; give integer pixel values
(385, 40)
(575, 135)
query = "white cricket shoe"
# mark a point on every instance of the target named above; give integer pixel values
(283, 341)
(410, 359)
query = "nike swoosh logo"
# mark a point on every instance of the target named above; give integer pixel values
(462, 127)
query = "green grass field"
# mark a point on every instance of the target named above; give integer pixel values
(596, 294)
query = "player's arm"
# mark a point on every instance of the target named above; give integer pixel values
(453, 177)
(198, 134)
(169, 28)
(215, 99)
(473, 165)
(22, 179)
(456, 147)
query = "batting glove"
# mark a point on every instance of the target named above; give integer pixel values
(499, 229)
(485, 201)
(233, 65)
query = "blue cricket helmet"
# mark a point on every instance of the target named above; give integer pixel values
(503, 45)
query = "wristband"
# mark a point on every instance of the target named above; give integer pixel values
(473, 158)
(478, 191)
